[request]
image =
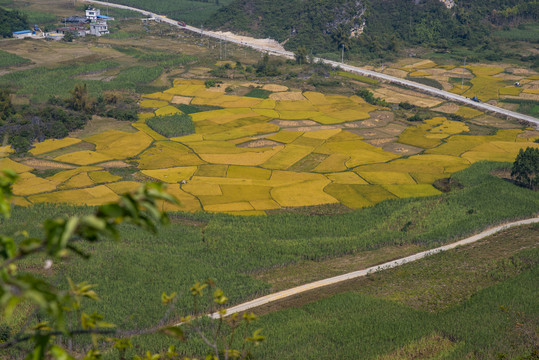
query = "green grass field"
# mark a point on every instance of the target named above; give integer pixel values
(9, 59)
(233, 250)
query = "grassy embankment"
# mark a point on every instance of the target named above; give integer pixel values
(236, 251)
(478, 302)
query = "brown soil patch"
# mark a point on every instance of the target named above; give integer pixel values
(46, 164)
(449, 108)
(396, 72)
(275, 87)
(397, 95)
(370, 123)
(293, 123)
(380, 142)
(494, 121)
(528, 134)
(520, 71)
(401, 149)
(393, 129)
(297, 96)
(260, 143)
(382, 115)
(115, 164)
(185, 100)
(98, 125)
(372, 133)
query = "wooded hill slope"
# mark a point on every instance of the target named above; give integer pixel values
(327, 25)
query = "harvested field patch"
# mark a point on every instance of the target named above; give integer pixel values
(275, 87)
(45, 164)
(260, 143)
(449, 108)
(179, 100)
(282, 96)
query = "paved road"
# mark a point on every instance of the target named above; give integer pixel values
(361, 273)
(353, 69)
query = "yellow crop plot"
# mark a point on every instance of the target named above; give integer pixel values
(122, 187)
(6, 150)
(285, 158)
(167, 110)
(165, 154)
(467, 112)
(97, 195)
(510, 90)
(28, 184)
(306, 193)
(335, 162)
(171, 175)
(159, 96)
(6, 163)
(187, 201)
(248, 172)
(404, 191)
(285, 136)
(100, 177)
(119, 144)
(345, 178)
(386, 177)
(349, 195)
(85, 157)
(81, 180)
(153, 103)
(52, 144)
(237, 159)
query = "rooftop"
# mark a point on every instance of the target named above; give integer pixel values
(23, 32)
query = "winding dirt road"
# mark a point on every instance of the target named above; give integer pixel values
(361, 273)
(274, 49)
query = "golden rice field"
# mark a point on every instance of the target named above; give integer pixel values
(487, 82)
(309, 154)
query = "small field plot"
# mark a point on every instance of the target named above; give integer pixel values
(119, 144)
(51, 145)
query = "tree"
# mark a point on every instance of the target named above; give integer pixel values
(526, 167)
(80, 100)
(63, 308)
(68, 36)
(301, 55)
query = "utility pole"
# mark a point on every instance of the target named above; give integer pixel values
(342, 54)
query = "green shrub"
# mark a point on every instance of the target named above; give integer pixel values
(172, 125)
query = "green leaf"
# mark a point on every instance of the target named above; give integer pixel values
(60, 353)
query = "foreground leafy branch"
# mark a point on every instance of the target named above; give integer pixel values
(63, 308)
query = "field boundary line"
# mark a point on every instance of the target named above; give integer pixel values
(353, 69)
(371, 270)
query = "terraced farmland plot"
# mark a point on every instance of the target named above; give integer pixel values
(254, 155)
